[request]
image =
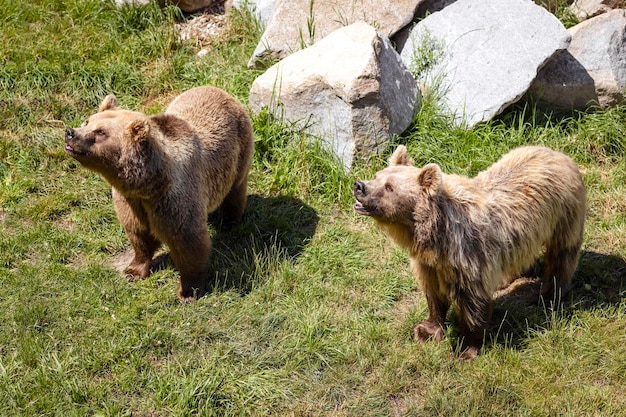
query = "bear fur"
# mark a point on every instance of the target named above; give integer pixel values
(168, 172)
(465, 236)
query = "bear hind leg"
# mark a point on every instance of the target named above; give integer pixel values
(234, 204)
(560, 265)
(561, 256)
(191, 255)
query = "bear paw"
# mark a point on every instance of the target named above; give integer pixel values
(427, 330)
(137, 271)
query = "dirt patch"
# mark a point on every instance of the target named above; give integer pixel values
(121, 261)
(203, 28)
(206, 26)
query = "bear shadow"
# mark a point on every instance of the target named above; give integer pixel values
(519, 311)
(273, 230)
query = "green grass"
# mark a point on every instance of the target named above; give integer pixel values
(311, 308)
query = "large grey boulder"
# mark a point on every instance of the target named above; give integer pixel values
(480, 56)
(350, 89)
(593, 69)
(296, 24)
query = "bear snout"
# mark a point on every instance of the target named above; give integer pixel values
(359, 188)
(72, 143)
(69, 137)
(69, 134)
(362, 202)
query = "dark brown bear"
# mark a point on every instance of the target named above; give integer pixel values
(168, 172)
(465, 236)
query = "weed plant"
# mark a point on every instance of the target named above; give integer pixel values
(311, 308)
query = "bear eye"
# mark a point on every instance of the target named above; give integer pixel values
(389, 188)
(99, 132)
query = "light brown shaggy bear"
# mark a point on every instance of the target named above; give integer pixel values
(465, 236)
(168, 172)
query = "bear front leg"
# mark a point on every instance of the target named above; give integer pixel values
(474, 314)
(190, 253)
(433, 328)
(144, 246)
(133, 218)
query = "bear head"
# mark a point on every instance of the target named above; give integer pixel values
(107, 139)
(398, 192)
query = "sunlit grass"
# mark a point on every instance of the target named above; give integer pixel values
(310, 308)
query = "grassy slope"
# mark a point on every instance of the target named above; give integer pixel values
(312, 309)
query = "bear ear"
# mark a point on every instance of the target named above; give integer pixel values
(109, 103)
(430, 178)
(400, 157)
(138, 130)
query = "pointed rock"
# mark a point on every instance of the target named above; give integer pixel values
(350, 89)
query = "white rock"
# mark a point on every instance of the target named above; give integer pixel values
(484, 54)
(350, 89)
(296, 24)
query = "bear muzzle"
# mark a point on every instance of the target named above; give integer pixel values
(360, 193)
(359, 188)
(71, 139)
